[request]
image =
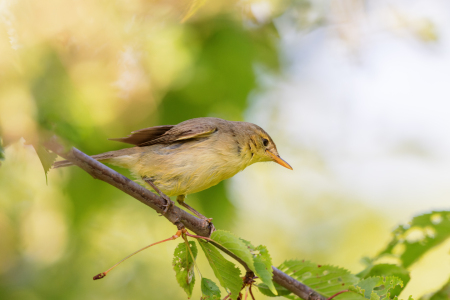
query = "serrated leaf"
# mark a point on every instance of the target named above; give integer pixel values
(281, 291)
(226, 272)
(235, 245)
(183, 264)
(46, 157)
(263, 265)
(389, 270)
(423, 233)
(324, 279)
(376, 288)
(210, 291)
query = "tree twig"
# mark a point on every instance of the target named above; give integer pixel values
(295, 286)
(175, 215)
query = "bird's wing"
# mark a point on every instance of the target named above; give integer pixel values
(183, 131)
(168, 134)
(145, 135)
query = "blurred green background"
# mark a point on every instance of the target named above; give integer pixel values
(92, 70)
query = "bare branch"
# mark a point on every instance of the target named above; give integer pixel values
(175, 215)
(295, 286)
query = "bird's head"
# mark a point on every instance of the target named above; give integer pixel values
(262, 147)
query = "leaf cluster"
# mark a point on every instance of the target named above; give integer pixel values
(226, 272)
(378, 281)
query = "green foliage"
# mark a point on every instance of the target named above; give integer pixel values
(46, 157)
(324, 279)
(424, 232)
(225, 271)
(54, 94)
(388, 270)
(235, 245)
(263, 266)
(223, 74)
(210, 291)
(183, 264)
(281, 291)
(376, 288)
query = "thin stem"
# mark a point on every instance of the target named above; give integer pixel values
(224, 249)
(251, 294)
(103, 274)
(338, 293)
(190, 252)
(227, 296)
(199, 237)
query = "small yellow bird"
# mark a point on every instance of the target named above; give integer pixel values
(192, 156)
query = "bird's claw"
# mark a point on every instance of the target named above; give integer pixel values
(211, 226)
(169, 204)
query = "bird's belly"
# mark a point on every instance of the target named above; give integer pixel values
(181, 173)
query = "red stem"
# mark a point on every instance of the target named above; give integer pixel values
(338, 293)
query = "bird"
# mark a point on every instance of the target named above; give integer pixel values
(182, 159)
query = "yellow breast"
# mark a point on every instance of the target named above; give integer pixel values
(186, 167)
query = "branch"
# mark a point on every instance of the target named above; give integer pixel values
(175, 215)
(295, 286)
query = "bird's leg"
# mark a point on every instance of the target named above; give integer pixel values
(180, 200)
(169, 203)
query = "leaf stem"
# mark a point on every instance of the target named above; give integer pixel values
(103, 274)
(183, 235)
(338, 293)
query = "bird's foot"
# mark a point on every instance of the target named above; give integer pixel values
(211, 227)
(180, 200)
(168, 206)
(169, 203)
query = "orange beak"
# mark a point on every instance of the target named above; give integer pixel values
(279, 160)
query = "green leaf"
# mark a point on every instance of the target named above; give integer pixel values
(226, 272)
(390, 270)
(376, 288)
(235, 245)
(46, 157)
(424, 232)
(183, 264)
(281, 291)
(263, 265)
(210, 290)
(324, 279)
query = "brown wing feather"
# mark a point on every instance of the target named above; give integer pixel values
(145, 135)
(189, 129)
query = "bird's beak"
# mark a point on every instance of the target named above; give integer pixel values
(279, 160)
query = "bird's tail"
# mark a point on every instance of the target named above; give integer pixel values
(101, 157)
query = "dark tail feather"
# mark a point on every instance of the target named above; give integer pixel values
(103, 156)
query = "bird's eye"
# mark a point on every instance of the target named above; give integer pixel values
(265, 142)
